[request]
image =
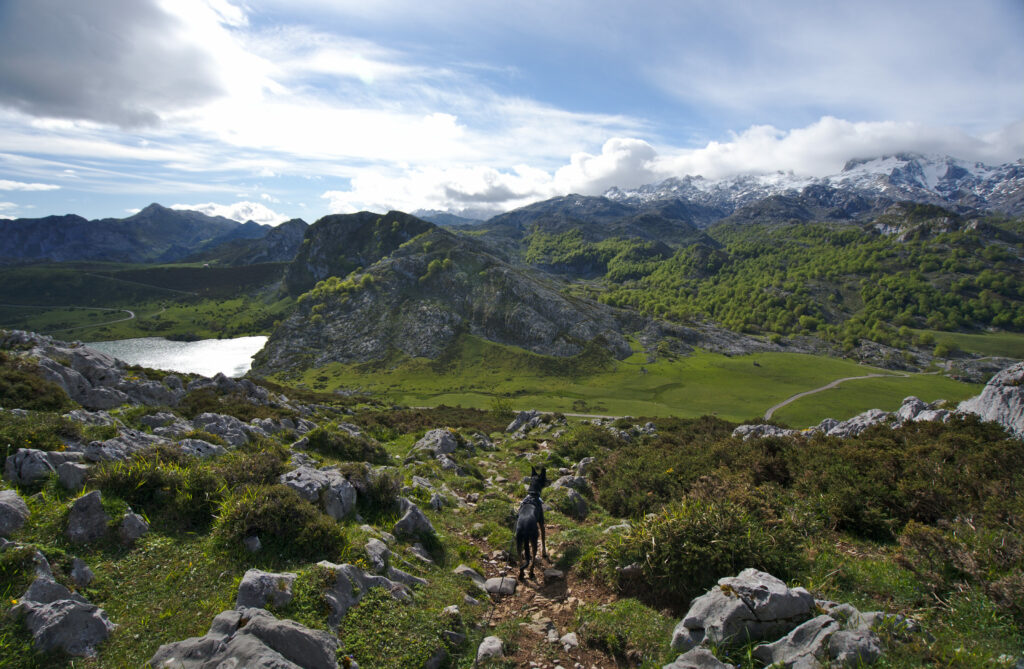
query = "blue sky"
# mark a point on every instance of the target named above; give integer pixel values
(272, 109)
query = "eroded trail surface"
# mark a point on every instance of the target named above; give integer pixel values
(544, 611)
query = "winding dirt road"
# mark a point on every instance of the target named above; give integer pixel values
(827, 386)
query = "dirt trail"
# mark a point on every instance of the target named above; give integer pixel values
(827, 386)
(546, 608)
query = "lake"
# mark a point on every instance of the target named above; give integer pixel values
(231, 357)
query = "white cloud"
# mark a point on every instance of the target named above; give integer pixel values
(239, 211)
(267, 197)
(823, 148)
(21, 185)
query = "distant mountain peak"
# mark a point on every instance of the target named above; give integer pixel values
(929, 179)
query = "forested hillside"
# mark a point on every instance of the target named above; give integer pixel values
(914, 267)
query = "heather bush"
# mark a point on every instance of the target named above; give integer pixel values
(683, 550)
(334, 442)
(288, 526)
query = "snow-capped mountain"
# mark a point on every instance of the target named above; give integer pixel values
(940, 180)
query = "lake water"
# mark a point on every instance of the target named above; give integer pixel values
(231, 357)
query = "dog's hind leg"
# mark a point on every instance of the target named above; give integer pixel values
(532, 548)
(543, 534)
(519, 551)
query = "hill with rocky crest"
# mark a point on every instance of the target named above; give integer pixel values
(419, 288)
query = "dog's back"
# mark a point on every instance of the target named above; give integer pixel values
(527, 524)
(530, 522)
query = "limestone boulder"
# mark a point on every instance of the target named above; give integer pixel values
(229, 428)
(13, 512)
(258, 588)
(307, 481)
(127, 443)
(1001, 401)
(61, 620)
(251, 637)
(30, 465)
(413, 521)
(201, 449)
(71, 475)
(749, 607)
(87, 520)
(132, 527)
(698, 658)
(351, 584)
(490, 647)
(339, 497)
(436, 442)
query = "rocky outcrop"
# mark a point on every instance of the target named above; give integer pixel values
(251, 637)
(749, 607)
(351, 584)
(436, 442)
(421, 298)
(413, 522)
(59, 619)
(755, 606)
(327, 487)
(1001, 401)
(30, 465)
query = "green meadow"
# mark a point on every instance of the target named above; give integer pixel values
(1003, 344)
(736, 388)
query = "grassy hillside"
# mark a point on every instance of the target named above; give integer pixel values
(922, 521)
(475, 372)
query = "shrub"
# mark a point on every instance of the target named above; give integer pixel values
(208, 400)
(21, 387)
(388, 425)
(334, 442)
(42, 430)
(583, 441)
(501, 409)
(686, 548)
(288, 526)
(241, 467)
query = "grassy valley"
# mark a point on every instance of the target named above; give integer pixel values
(477, 373)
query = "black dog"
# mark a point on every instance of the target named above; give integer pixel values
(531, 517)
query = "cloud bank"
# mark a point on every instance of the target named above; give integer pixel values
(820, 149)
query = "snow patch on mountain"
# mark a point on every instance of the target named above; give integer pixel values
(941, 180)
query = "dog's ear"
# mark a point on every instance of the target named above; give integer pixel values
(533, 471)
(544, 473)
